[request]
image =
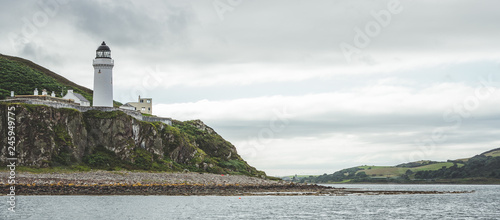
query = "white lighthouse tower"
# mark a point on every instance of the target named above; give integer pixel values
(103, 77)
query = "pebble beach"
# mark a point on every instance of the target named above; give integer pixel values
(146, 183)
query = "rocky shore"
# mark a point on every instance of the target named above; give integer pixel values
(144, 183)
(127, 177)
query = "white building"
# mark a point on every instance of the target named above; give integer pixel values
(103, 77)
(78, 98)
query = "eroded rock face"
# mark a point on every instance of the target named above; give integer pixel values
(202, 126)
(44, 133)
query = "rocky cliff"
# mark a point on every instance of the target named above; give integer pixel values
(49, 136)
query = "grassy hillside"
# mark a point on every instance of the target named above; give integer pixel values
(394, 171)
(483, 168)
(23, 76)
(492, 153)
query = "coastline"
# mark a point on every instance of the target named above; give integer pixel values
(202, 190)
(172, 184)
(463, 181)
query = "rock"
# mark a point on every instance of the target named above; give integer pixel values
(47, 135)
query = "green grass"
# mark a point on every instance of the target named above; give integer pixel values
(483, 166)
(493, 154)
(373, 167)
(23, 76)
(463, 160)
(343, 181)
(435, 166)
(384, 171)
(20, 62)
(388, 171)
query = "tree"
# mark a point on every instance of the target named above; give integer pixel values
(361, 175)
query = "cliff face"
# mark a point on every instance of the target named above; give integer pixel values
(48, 136)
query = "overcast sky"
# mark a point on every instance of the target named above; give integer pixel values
(299, 87)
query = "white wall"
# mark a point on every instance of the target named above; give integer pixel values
(103, 82)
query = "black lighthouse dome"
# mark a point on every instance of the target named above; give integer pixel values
(103, 51)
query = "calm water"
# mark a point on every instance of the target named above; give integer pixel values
(483, 204)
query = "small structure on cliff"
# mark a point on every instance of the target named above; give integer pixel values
(45, 96)
(144, 105)
(78, 98)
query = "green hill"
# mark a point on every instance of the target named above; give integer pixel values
(493, 153)
(23, 76)
(482, 168)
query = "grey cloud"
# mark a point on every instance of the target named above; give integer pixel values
(278, 31)
(127, 26)
(392, 130)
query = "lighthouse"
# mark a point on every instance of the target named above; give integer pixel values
(103, 77)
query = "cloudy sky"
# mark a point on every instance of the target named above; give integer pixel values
(299, 87)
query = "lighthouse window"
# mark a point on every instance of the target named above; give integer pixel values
(144, 108)
(148, 101)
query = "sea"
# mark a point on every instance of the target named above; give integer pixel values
(483, 203)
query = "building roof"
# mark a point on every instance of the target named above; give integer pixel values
(79, 96)
(128, 105)
(103, 47)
